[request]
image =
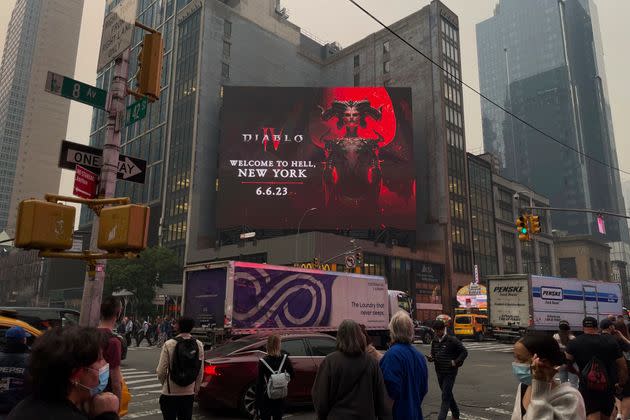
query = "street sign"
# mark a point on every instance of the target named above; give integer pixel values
(84, 183)
(248, 235)
(73, 154)
(350, 261)
(75, 90)
(136, 111)
(118, 28)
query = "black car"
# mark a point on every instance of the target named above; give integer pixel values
(423, 333)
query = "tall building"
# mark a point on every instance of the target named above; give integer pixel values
(42, 36)
(216, 43)
(543, 60)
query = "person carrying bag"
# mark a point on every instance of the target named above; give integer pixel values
(272, 387)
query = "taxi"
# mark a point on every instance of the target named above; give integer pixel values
(7, 321)
(470, 326)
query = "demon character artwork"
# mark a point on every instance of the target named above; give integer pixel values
(351, 171)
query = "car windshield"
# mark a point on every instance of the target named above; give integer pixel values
(462, 320)
(232, 346)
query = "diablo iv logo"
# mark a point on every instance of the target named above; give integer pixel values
(273, 136)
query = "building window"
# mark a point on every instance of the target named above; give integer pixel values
(386, 47)
(545, 258)
(509, 253)
(225, 70)
(226, 49)
(386, 67)
(227, 28)
(356, 60)
(568, 268)
(357, 79)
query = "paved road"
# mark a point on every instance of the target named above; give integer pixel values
(484, 390)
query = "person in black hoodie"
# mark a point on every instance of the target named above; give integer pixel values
(13, 374)
(267, 408)
(69, 375)
(448, 354)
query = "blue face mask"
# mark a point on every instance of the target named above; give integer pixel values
(103, 379)
(523, 372)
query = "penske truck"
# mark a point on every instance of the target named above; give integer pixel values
(518, 303)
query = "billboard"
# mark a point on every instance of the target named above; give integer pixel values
(344, 151)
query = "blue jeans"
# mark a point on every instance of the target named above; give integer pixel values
(447, 381)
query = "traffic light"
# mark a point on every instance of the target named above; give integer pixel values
(123, 228)
(150, 66)
(534, 224)
(523, 228)
(358, 259)
(44, 225)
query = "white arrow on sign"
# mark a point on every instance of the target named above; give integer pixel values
(128, 168)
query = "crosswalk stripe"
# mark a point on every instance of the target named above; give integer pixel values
(137, 381)
(143, 414)
(158, 385)
(128, 370)
(140, 375)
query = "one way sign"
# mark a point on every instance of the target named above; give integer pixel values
(73, 154)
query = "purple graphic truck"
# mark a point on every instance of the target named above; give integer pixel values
(230, 299)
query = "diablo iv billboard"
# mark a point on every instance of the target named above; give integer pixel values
(345, 152)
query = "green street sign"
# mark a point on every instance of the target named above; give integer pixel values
(136, 111)
(75, 90)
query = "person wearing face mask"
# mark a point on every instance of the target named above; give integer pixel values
(69, 375)
(537, 359)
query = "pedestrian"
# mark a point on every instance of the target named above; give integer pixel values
(537, 358)
(144, 333)
(602, 367)
(448, 354)
(349, 383)
(13, 369)
(275, 362)
(180, 372)
(112, 349)
(370, 349)
(129, 330)
(623, 397)
(562, 337)
(404, 370)
(69, 375)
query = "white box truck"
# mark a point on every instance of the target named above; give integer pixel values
(521, 302)
(229, 299)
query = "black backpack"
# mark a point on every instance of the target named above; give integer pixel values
(185, 363)
(123, 345)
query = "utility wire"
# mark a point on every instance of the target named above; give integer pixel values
(549, 136)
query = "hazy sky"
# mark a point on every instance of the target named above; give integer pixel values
(339, 20)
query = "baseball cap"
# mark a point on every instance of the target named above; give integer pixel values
(606, 323)
(16, 333)
(564, 326)
(589, 322)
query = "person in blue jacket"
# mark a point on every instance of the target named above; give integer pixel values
(404, 370)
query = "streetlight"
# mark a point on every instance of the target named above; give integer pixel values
(298, 231)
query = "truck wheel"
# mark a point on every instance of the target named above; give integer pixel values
(427, 338)
(479, 336)
(248, 401)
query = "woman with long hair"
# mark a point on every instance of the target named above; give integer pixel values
(274, 362)
(349, 383)
(537, 358)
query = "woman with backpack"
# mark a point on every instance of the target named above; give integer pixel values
(537, 358)
(273, 382)
(180, 371)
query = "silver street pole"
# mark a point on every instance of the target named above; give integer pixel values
(94, 279)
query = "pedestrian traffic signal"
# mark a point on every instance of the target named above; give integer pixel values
(534, 224)
(150, 66)
(123, 228)
(523, 228)
(44, 225)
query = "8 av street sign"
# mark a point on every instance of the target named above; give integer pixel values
(73, 154)
(75, 90)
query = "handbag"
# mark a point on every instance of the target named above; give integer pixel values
(125, 399)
